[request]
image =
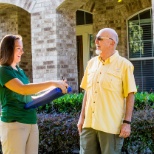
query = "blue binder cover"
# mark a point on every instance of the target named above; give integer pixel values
(47, 98)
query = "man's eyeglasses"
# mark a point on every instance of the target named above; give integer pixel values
(100, 38)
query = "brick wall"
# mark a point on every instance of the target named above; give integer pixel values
(48, 30)
(24, 29)
(8, 21)
(115, 15)
(66, 41)
(66, 48)
(15, 20)
(44, 52)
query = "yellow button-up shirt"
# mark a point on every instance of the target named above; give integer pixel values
(107, 84)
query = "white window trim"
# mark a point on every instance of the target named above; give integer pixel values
(146, 58)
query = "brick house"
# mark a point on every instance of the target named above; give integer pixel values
(59, 35)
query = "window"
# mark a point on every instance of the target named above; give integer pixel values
(141, 51)
(83, 18)
(144, 74)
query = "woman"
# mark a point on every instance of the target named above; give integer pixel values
(19, 131)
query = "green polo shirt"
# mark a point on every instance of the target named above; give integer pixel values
(12, 102)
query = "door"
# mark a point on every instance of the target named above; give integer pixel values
(80, 60)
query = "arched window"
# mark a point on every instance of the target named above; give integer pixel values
(83, 18)
(141, 50)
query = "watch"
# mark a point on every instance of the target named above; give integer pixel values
(127, 122)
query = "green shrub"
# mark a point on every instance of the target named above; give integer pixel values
(69, 103)
(143, 99)
(58, 133)
(141, 140)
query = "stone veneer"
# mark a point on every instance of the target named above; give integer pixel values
(110, 13)
(48, 30)
(15, 20)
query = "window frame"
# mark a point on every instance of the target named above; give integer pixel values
(84, 17)
(128, 49)
(140, 59)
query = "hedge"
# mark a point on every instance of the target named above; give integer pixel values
(58, 131)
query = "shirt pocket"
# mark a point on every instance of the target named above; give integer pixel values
(112, 81)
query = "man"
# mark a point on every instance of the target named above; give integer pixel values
(108, 100)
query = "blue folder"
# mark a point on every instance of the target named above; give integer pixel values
(47, 98)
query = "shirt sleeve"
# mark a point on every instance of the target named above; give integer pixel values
(6, 74)
(129, 84)
(84, 80)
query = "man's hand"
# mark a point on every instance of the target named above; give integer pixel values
(82, 115)
(125, 130)
(80, 124)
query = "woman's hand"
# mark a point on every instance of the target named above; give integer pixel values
(62, 84)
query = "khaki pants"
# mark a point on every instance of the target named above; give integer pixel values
(19, 138)
(98, 142)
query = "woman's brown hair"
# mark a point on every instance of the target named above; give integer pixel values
(7, 46)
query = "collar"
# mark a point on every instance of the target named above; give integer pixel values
(110, 59)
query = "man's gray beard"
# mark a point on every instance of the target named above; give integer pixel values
(98, 52)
